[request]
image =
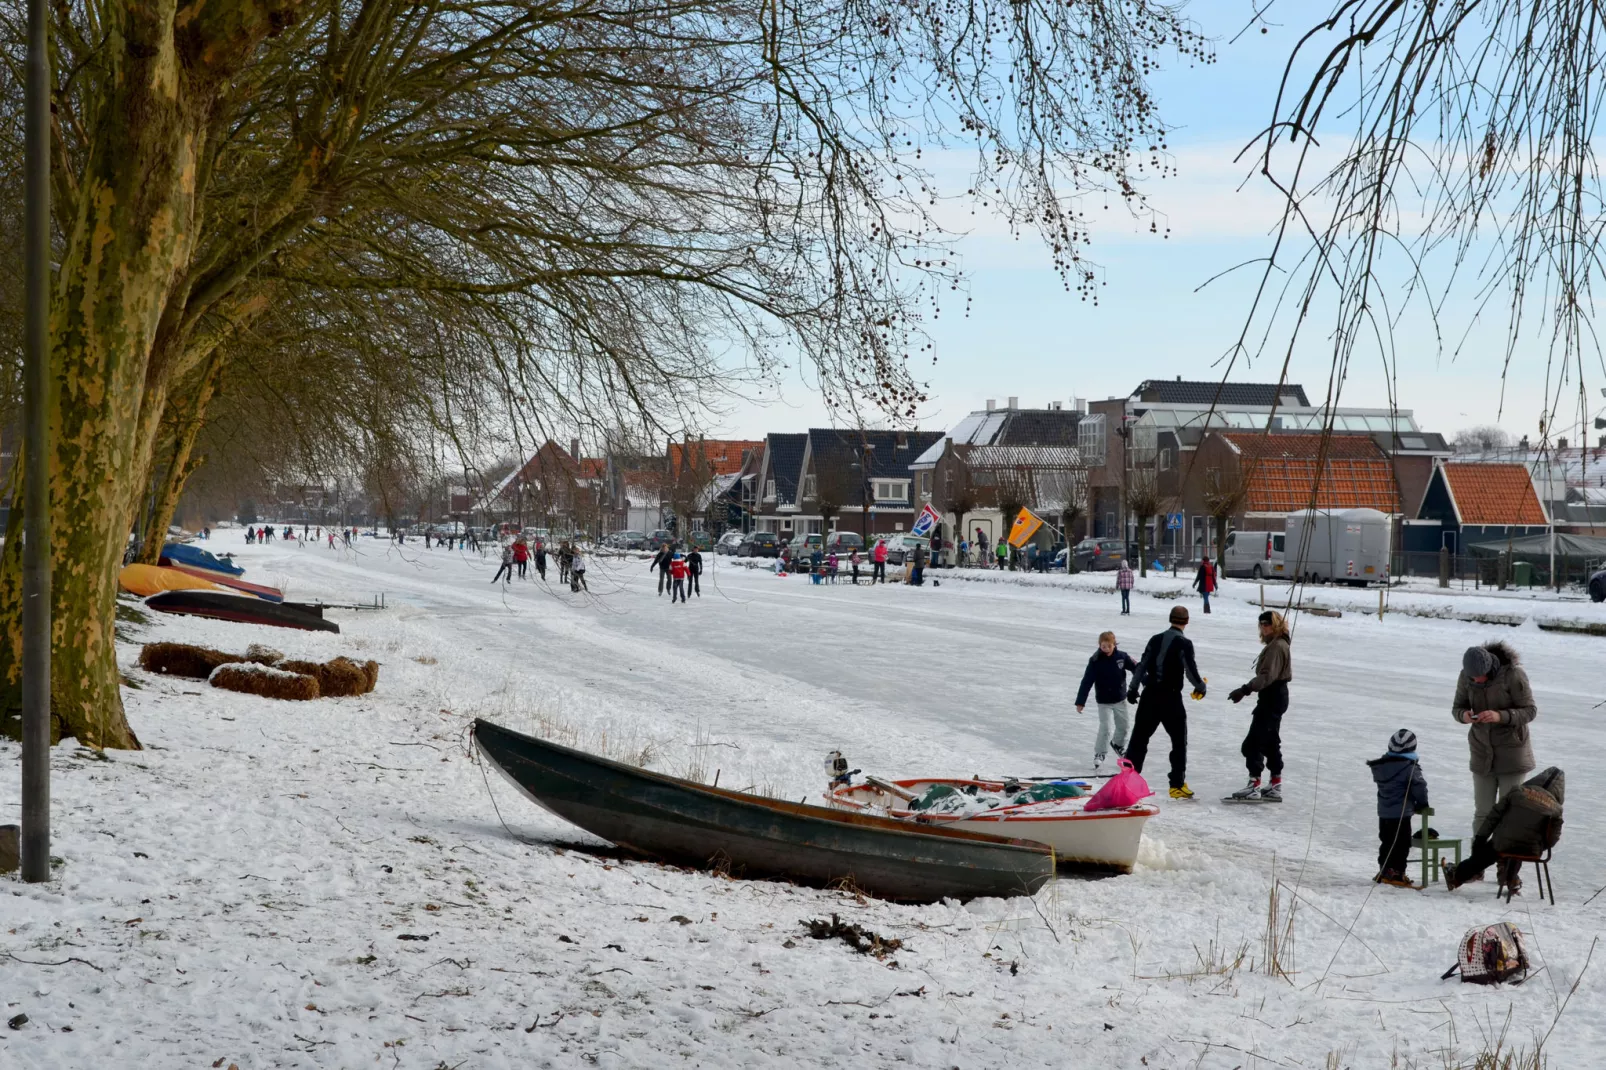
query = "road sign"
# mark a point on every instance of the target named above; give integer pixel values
(1173, 521)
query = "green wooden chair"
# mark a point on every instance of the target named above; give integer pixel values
(1432, 864)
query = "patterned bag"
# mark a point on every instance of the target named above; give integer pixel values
(1490, 955)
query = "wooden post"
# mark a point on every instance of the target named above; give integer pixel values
(1263, 598)
(1444, 566)
(1380, 603)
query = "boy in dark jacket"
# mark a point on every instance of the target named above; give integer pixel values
(1167, 663)
(1105, 676)
(1526, 821)
(1401, 792)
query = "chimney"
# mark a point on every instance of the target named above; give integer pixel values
(1055, 406)
(574, 448)
(1079, 404)
(1561, 443)
(991, 404)
(1014, 403)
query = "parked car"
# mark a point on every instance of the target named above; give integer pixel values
(728, 543)
(700, 540)
(1597, 586)
(1099, 555)
(659, 538)
(902, 547)
(843, 542)
(759, 544)
(1257, 555)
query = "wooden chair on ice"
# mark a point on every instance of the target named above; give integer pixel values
(1431, 847)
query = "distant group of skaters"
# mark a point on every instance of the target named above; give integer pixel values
(309, 533)
(518, 555)
(829, 564)
(1516, 816)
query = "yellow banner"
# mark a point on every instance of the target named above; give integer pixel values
(1025, 526)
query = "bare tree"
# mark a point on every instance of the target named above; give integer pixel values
(607, 185)
(1225, 491)
(960, 492)
(1481, 439)
(1144, 502)
(1456, 171)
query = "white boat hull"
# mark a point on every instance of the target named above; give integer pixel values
(1107, 839)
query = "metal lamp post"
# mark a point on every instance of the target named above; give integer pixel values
(36, 506)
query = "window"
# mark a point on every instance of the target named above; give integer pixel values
(888, 490)
(769, 490)
(810, 486)
(1165, 459)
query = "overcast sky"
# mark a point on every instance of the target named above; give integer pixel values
(1025, 336)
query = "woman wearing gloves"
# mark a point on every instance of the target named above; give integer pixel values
(1494, 698)
(1263, 746)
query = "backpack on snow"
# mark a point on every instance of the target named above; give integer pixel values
(1490, 954)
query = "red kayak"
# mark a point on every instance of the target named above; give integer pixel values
(267, 594)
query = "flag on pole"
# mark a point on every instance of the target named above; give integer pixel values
(927, 520)
(1025, 526)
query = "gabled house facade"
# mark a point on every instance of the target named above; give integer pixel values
(859, 480)
(1473, 502)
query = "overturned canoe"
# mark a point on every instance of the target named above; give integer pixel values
(749, 835)
(262, 591)
(184, 554)
(242, 608)
(152, 579)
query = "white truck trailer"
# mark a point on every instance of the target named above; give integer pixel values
(1340, 545)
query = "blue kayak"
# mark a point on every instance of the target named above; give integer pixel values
(183, 554)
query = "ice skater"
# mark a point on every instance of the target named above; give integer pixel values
(577, 570)
(1123, 583)
(677, 579)
(1167, 663)
(1205, 581)
(505, 573)
(1105, 676)
(694, 572)
(1263, 746)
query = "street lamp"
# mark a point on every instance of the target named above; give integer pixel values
(36, 505)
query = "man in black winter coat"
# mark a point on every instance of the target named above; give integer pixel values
(1167, 663)
(694, 569)
(660, 561)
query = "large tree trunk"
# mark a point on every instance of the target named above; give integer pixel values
(181, 462)
(131, 238)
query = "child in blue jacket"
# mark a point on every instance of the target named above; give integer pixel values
(1106, 678)
(1402, 791)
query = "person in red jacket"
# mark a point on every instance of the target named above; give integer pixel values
(521, 556)
(878, 558)
(678, 571)
(1205, 581)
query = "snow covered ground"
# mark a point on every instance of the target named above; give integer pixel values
(244, 889)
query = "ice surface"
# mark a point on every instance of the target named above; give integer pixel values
(237, 890)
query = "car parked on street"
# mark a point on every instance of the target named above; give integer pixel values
(1099, 555)
(728, 543)
(759, 544)
(659, 538)
(701, 541)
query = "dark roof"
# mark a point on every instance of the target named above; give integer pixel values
(891, 452)
(1038, 427)
(1201, 392)
(785, 464)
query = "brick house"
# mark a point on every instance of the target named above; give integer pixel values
(1472, 502)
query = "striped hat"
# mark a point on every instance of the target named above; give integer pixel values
(1402, 742)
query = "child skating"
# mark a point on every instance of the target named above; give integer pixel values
(1105, 676)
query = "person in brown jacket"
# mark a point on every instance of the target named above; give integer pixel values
(1263, 746)
(1526, 821)
(1493, 696)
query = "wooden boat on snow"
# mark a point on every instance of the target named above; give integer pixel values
(262, 591)
(242, 608)
(1103, 839)
(677, 820)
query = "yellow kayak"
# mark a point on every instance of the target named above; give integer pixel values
(146, 580)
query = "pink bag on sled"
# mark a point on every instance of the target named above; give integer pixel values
(1124, 789)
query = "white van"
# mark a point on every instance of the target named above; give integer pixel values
(1257, 555)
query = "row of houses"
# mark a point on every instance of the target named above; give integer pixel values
(1179, 462)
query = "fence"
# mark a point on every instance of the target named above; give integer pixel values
(1497, 570)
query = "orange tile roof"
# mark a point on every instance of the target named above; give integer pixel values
(1494, 494)
(1283, 474)
(724, 456)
